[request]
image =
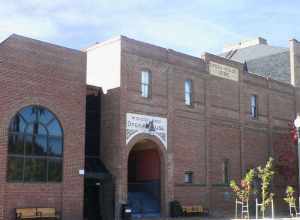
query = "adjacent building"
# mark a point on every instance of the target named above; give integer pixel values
(42, 124)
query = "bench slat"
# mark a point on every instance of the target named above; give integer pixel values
(195, 209)
(36, 213)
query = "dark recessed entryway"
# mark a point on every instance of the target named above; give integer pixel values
(144, 179)
(98, 191)
(98, 182)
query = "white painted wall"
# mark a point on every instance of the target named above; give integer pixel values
(104, 63)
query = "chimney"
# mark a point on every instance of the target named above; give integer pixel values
(295, 62)
(245, 43)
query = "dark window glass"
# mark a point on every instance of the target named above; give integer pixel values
(35, 148)
(145, 83)
(36, 129)
(35, 145)
(28, 141)
(40, 130)
(188, 177)
(253, 106)
(18, 124)
(226, 172)
(54, 128)
(188, 92)
(29, 129)
(35, 170)
(16, 144)
(29, 114)
(55, 170)
(40, 145)
(55, 146)
(15, 168)
(44, 116)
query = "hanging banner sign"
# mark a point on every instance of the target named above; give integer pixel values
(138, 124)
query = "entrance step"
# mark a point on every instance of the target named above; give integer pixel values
(143, 204)
(182, 218)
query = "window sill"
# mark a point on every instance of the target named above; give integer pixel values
(33, 183)
(221, 185)
(189, 106)
(190, 184)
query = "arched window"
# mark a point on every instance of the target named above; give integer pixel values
(35, 146)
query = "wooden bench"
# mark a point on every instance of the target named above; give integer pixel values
(195, 210)
(36, 213)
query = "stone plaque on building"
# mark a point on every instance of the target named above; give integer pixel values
(138, 124)
(223, 71)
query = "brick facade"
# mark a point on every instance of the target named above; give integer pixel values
(217, 127)
(38, 73)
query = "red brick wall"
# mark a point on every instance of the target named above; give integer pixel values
(218, 126)
(38, 73)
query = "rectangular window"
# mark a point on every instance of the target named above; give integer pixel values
(188, 92)
(253, 106)
(226, 172)
(145, 84)
(188, 177)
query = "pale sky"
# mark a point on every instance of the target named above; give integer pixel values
(192, 27)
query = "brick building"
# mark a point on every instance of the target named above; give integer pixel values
(39, 77)
(168, 126)
(212, 121)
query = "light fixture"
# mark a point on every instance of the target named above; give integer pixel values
(297, 122)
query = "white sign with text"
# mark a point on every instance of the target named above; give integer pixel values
(223, 71)
(138, 124)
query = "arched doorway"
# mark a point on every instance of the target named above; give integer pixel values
(144, 179)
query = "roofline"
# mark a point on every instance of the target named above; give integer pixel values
(128, 39)
(10, 36)
(100, 44)
(14, 35)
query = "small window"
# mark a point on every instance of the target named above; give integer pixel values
(226, 171)
(188, 177)
(253, 106)
(188, 92)
(145, 84)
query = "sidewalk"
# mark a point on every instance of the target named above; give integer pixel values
(206, 218)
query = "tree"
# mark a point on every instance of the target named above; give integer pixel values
(243, 191)
(286, 155)
(266, 174)
(290, 199)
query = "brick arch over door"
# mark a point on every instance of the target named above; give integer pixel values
(162, 151)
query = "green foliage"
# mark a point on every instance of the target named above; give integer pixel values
(243, 191)
(290, 199)
(266, 174)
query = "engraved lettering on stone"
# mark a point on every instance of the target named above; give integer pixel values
(223, 71)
